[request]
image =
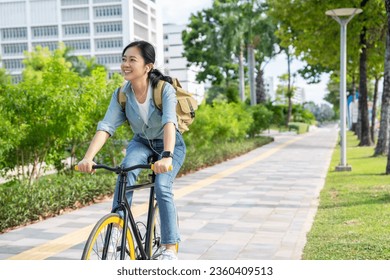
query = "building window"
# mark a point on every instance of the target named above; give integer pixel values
(153, 38)
(50, 45)
(14, 49)
(166, 37)
(112, 72)
(14, 33)
(109, 44)
(140, 31)
(113, 59)
(112, 11)
(75, 14)
(153, 23)
(108, 27)
(76, 29)
(140, 4)
(105, 1)
(140, 16)
(44, 32)
(78, 45)
(15, 79)
(73, 2)
(13, 64)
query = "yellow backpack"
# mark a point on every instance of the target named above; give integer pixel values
(185, 108)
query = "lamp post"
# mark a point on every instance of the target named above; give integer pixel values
(343, 16)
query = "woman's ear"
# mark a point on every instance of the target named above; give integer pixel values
(149, 67)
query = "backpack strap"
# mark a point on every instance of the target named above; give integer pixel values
(157, 94)
(176, 83)
(121, 97)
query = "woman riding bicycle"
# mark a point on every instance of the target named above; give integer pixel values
(155, 134)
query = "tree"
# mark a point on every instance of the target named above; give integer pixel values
(215, 40)
(286, 90)
(322, 112)
(309, 35)
(385, 112)
(203, 46)
(9, 136)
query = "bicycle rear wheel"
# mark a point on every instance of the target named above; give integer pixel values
(93, 249)
(155, 235)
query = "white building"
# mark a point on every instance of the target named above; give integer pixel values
(299, 96)
(269, 88)
(176, 65)
(99, 28)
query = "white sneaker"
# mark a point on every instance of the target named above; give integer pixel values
(168, 255)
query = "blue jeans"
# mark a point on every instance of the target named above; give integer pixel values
(138, 152)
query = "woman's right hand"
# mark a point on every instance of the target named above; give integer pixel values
(85, 165)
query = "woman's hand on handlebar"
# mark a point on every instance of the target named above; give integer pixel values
(163, 165)
(85, 165)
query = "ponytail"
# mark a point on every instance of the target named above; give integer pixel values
(155, 76)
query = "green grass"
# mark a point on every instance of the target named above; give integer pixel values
(353, 217)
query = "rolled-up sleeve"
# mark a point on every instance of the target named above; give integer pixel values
(114, 116)
(169, 102)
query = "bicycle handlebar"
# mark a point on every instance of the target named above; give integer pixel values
(119, 169)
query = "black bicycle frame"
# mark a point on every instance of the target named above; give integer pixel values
(123, 205)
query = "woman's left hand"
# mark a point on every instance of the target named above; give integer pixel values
(163, 165)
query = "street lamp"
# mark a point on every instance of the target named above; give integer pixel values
(343, 16)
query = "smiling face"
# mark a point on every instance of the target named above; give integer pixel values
(133, 65)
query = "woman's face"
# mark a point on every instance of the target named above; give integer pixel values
(133, 65)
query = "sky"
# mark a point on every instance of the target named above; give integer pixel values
(179, 11)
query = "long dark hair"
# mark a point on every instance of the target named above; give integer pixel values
(149, 55)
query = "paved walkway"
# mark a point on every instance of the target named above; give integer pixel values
(256, 206)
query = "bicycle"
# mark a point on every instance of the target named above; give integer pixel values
(111, 231)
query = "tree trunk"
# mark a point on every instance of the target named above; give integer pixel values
(365, 139)
(388, 164)
(241, 75)
(386, 93)
(373, 116)
(289, 93)
(382, 146)
(354, 125)
(34, 169)
(358, 126)
(251, 66)
(261, 97)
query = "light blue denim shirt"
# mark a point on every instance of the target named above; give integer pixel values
(154, 129)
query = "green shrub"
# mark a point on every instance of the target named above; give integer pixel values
(21, 203)
(218, 123)
(262, 118)
(302, 115)
(298, 127)
(279, 113)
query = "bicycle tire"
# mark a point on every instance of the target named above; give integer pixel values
(93, 249)
(155, 236)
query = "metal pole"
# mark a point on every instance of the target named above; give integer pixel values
(343, 16)
(251, 70)
(343, 95)
(242, 77)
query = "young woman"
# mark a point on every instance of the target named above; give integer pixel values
(155, 133)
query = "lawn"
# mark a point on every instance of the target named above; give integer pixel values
(353, 217)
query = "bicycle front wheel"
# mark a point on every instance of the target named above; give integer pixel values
(96, 241)
(155, 235)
